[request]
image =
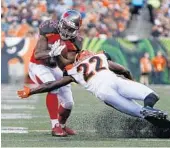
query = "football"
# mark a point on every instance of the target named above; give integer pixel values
(51, 61)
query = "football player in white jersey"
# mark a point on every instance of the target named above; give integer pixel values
(94, 73)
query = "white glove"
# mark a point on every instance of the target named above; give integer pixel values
(56, 49)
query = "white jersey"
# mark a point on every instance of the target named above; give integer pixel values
(91, 72)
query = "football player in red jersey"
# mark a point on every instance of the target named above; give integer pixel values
(43, 67)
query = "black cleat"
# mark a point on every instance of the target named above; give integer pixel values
(151, 112)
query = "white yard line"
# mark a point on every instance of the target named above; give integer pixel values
(15, 116)
(18, 130)
(10, 107)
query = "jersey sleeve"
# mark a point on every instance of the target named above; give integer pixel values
(78, 42)
(48, 27)
(72, 71)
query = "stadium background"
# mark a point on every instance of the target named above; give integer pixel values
(111, 25)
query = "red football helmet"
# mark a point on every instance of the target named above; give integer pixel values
(69, 24)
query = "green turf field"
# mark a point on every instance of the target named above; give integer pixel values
(25, 123)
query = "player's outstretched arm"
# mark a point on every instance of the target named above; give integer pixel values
(119, 69)
(46, 87)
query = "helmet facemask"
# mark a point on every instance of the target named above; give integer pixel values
(67, 30)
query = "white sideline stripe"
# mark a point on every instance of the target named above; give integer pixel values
(15, 116)
(18, 101)
(10, 107)
(17, 130)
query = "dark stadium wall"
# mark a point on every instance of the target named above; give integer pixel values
(120, 50)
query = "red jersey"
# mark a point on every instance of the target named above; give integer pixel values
(50, 31)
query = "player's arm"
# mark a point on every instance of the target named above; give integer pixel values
(41, 49)
(46, 87)
(119, 69)
(63, 62)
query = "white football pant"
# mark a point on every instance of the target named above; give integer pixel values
(47, 74)
(121, 93)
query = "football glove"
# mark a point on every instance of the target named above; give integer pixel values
(56, 49)
(24, 93)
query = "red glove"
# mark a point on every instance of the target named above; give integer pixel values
(25, 93)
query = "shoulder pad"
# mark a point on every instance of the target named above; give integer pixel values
(49, 26)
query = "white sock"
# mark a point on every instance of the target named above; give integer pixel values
(54, 122)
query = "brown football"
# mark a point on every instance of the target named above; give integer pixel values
(51, 61)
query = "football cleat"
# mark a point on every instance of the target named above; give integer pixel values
(58, 131)
(151, 112)
(69, 131)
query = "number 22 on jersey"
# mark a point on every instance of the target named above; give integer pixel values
(85, 67)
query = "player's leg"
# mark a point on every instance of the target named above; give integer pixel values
(42, 74)
(122, 104)
(66, 102)
(134, 90)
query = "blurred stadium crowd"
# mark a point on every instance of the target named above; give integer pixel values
(161, 18)
(105, 18)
